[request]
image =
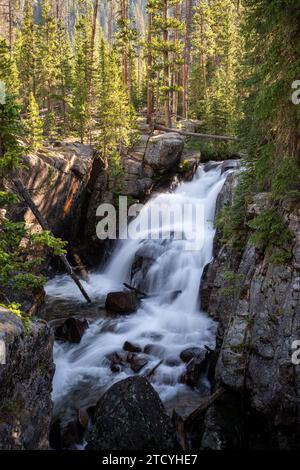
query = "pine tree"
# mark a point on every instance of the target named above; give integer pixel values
(115, 116)
(166, 50)
(214, 69)
(10, 125)
(48, 65)
(27, 54)
(33, 125)
(83, 101)
(65, 79)
(126, 44)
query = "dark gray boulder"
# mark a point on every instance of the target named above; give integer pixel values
(191, 353)
(72, 330)
(131, 416)
(121, 302)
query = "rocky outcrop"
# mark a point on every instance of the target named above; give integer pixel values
(25, 384)
(257, 304)
(164, 151)
(56, 178)
(131, 416)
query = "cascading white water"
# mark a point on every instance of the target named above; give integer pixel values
(171, 324)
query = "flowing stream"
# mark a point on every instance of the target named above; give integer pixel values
(168, 323)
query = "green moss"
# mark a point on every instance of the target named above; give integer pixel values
(271, 234)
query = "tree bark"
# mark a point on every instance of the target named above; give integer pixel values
(149, 73)
(167, 114)
(187, 57)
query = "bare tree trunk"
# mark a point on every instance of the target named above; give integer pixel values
(10, 25)
(125, 58)
(149, 73)
(167, 114)
(187, 57)
(175, 74)
(110, 24)
(203, 64)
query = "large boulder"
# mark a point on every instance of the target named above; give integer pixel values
(131, 416)
(121, 302)
(25, 384)
(164, 151)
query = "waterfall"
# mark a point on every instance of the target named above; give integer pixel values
(169, 324)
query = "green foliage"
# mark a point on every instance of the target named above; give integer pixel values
(166, 50)
(83, 66)
(27, 54)
(272, 235)
(213, 94)
(116, 117)
(19, 261)
(10, 124)
(33, 125)
(270, 127)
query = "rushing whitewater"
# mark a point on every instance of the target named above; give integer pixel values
(171, 324)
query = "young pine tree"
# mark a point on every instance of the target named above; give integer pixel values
(83, 72)
(27, 54)
(166, 49)
(10, 125)
(115, 116)
(33, 125)
(47, 66)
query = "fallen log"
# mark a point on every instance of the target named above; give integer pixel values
(194, 134)
(44, 224)
(204, 406)
(181, 425)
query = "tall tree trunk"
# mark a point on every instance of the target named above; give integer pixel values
(167, 114)
(110, 24)
(10, 25)
(125, 58)
(175, 74)
(203, 62)
(187, 57)
(149, 73)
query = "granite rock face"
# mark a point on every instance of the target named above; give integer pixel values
(25, 384)
(257, 304)
(57, 177)
(164, 151)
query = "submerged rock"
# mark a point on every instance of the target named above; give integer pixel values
(121, 302)
(131, 416)
(72, 330)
